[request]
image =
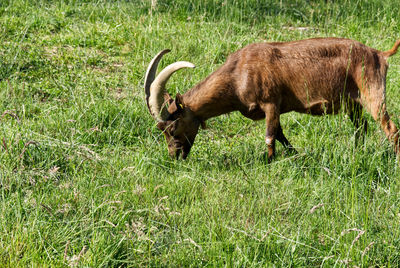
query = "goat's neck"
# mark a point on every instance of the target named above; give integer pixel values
(212, 97)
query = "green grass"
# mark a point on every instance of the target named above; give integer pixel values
(85, 178)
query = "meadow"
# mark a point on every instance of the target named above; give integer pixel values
(85, 177)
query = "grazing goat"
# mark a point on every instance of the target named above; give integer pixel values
(264, 80)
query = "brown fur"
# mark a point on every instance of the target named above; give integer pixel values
(264, 80)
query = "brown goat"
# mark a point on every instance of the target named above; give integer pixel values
(263, 80)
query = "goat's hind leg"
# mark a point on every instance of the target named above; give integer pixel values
(380, 114)
(359, 122)
(376, 105)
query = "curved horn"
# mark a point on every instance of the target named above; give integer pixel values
(155, 88)
(151, 74)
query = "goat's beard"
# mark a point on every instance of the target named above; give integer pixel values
(185, 153)
(182, 151)
(178, 153)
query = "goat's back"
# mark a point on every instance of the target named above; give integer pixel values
(304, 76)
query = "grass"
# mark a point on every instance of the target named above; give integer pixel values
(85, 179)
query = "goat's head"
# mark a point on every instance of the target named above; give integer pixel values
(173, 117)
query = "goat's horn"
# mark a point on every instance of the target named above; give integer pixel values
(151, 74)
(155, 88)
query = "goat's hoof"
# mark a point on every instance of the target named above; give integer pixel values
(291, 151)
(266, 158)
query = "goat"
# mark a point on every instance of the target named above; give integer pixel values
(264, 80)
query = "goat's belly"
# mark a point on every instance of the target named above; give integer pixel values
(313, 108)
(319, 108)
(254, 114)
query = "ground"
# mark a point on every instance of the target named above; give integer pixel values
(85, 177)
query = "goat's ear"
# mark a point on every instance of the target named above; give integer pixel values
(179, 102)
(167, 98)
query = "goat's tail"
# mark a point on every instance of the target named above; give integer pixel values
(392, 51)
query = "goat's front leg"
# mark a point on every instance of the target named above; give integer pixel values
(282, 139)
(272, 127)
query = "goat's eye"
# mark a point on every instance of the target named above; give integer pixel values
(173, 128)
